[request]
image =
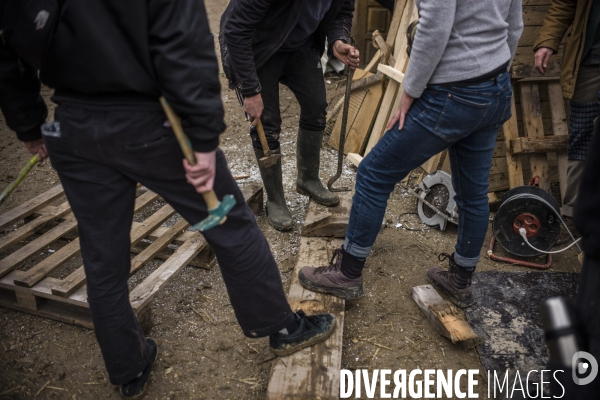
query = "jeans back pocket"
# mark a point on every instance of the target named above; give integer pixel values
(461, 116)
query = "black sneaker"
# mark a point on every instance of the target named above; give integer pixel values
(313, 329)
(135, 387)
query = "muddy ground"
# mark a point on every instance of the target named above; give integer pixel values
(42, 358)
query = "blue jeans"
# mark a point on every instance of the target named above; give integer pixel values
(464, 120)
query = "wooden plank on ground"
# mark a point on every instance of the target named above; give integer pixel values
(314, 372)
(321, 221)
(16, 259)
(514, 165)
(445, 318)
(30, 228)
(145, 291)
(31, 206)
(539, 145)
(534, 128)
(560, 129)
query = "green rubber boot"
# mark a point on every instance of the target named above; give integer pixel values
(309, 161)
(278, 214)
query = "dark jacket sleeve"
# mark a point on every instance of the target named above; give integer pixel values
(340, 29)
(556, 22)
(244, 18)
(20, 100)
(183, 55)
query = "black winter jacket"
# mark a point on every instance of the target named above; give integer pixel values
(20, 102)
(252, 30)
(123, 55)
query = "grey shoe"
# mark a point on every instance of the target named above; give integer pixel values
(308, 155)
(455, 282)
(330, 279)
(278, 214)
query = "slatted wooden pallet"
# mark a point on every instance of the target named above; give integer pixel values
(34, 291)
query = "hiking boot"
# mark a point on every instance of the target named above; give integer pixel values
(330, 279)
(135, 387)
(455, 282)
(313, 329)
(308, 157)
(278, 214)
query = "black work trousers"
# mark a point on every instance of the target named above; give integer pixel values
(302, 72)
(100, 156)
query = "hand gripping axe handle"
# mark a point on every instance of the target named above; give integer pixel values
(217, 211)
(268, 158)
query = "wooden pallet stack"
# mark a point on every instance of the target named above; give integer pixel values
(41, 225)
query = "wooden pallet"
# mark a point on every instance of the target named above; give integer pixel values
(534, 145)
(35, 292)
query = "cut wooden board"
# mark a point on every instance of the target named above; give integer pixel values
(321, 221)
(31, 206)
(392, 93)
(364, 103)
(446, 319)
(314, 372)
(354, 158)
(543, 144)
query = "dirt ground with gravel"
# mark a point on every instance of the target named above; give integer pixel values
(204, 359)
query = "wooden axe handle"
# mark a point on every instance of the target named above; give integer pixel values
(263, 139)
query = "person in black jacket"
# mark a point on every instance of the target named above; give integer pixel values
(266, 42)
(109, 62)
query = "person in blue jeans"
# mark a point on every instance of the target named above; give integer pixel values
(457, 94)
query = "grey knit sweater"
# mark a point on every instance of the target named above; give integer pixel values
(461, 39)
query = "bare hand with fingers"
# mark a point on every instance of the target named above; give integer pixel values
(346, 54)
(253, 106)
(400, 115)
(201, 175)
(542, 57)
(37, 147)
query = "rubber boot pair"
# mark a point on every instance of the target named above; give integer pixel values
(307, 183)
(455, 282)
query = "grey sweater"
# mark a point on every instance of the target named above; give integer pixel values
(461, 39)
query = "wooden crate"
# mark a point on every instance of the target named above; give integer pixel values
(36, 292)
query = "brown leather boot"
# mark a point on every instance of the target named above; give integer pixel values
(455, 282)
(330, 279)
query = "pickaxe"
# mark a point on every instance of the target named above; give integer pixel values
(217, 211)
(268, 159)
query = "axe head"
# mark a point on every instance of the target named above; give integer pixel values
(269, 161)
(216, 216)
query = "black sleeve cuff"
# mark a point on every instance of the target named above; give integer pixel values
(30, 135)
(204, 146)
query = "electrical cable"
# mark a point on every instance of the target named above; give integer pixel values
(523, 233)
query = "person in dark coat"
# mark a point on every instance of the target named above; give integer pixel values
(266, 42)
